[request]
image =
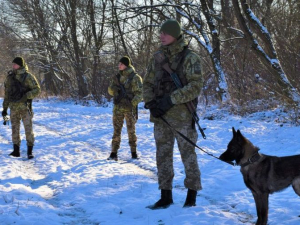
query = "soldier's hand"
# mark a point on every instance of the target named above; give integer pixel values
(165, 103)
(156, 112)
(161, 106)
(115, 89)
(151, 104)
(4, 113)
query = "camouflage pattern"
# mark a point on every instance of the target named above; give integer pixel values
(118, 120)
(126, 109)
(165, 138)
(19, 110)
(178, 116)
(16, 117)
(136, 87)
(30, 82)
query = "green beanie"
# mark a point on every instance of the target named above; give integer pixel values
(171, 27)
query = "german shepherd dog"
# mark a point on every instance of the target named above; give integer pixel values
(263, 174)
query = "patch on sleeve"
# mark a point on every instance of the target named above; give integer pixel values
(197, 68)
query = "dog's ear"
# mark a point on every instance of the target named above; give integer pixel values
(239, 133)
(233, 132)
(239, 136)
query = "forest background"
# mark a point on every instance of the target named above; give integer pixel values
(250, 49)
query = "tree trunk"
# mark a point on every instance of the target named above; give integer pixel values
(269, 56)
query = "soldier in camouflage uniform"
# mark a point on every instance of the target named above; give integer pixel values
(126, 88)
(20, 88)
(163, 99)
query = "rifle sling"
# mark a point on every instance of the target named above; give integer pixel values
(190, 141)
(123, 89)
(190, 105)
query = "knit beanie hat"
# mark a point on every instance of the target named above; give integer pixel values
(126, 61)
(171, 27)
(19, 61)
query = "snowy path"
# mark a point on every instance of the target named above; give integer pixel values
(71, 182)
(65, 159)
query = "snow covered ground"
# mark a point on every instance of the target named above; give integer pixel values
(71, 182)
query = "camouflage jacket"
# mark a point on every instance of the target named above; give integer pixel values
(30, 83)
(135, 87)
(178, 114)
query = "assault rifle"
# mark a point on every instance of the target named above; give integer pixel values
(121, 93)
(160, 58)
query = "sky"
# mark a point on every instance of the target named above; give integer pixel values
(70, 181)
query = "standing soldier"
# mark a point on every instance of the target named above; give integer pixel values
(20, 88)
(167, 102)
(126, 88)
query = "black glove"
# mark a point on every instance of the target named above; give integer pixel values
(4, 113)
(162, 106)
(150, 105)
(156, 112)
(165, 103)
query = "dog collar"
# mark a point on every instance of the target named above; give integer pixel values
(254, 158)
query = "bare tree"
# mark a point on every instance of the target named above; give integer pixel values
(259, 37)
(195, 27)
(249, 49)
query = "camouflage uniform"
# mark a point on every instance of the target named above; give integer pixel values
(178, 116)
(127, 107)
(20, 110)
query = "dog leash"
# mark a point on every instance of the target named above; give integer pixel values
(192, 143)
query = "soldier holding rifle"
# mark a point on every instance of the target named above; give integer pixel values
(169, 99)
(126, 88)
(21, 87)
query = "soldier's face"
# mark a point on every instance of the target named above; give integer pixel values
(166, 39)
(122, 66)
(15, 66)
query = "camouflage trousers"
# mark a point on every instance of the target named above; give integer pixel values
(16, 116)
(118, 120)
(165, 139)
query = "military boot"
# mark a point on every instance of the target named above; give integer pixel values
(190, 198)
(113, 156)
(165, 201)
(133, 151)
(16, 152)
(29, 152)
(134, 155)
